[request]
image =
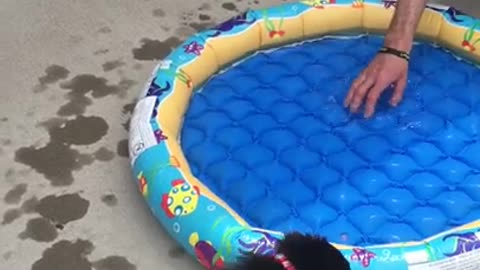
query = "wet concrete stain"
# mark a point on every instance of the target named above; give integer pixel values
(137, 66)
(111, 65)
(127, 111)
(6, 142)
(229, 6)
(184, 31)
(29, 206)
(53, 74)
(75, 39)
(56, 161)
(72, 255)
(101, 51)
(110, 199)
(82, 130)
(126, 124)
(114, 263)
(129, 107)
(11, 215)
(205, 6)
(104, 154)
(9, 173)
(105, 30)
(204, 17)
(201, 26)
(75, 106)
(66, 255)
(186, 16)
(87, 83)
(7, 255)
(4, 119)
(40, 230)
(63, 209)
(122, 145)
(154, 49)
(158, 12)
(122, 148)
(82, 85)
(15, 194)
(176, 252)
(197, 25)
(52, 123)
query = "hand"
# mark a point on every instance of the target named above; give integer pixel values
(383, 71)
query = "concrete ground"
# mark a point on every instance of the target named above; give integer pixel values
(70, 71)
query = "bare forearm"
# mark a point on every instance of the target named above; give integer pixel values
(404, 24)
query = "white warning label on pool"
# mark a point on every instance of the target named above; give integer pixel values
(466, 261)
(141, 133)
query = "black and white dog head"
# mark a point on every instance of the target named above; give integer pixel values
(297, 252)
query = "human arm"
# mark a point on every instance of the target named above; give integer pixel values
(386, 69)
(403, 26)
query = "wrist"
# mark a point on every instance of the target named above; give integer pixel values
(399, 40)
(401, 44)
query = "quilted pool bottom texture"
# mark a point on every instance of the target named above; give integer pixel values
(270, 136)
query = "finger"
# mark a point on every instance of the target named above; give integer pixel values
(372, 98)
(353, 88)
(360, 94)
(398, 91)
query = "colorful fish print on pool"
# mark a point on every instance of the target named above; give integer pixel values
(358, 3)
(273, 30)
(318, 4)
(142, 178)
(363, 256)
(468, 43)
(464, 242)
(206, 254)
(231, 23)
(181, 200)
(142, 184)
(265, 245)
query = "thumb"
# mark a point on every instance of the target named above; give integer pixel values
(398, 91)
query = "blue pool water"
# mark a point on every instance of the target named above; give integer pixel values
(270, 136)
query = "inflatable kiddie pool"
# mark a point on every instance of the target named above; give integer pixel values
(240, 136)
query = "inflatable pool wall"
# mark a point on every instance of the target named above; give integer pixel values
(204, 224)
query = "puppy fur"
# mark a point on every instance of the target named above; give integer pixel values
(305, 252)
